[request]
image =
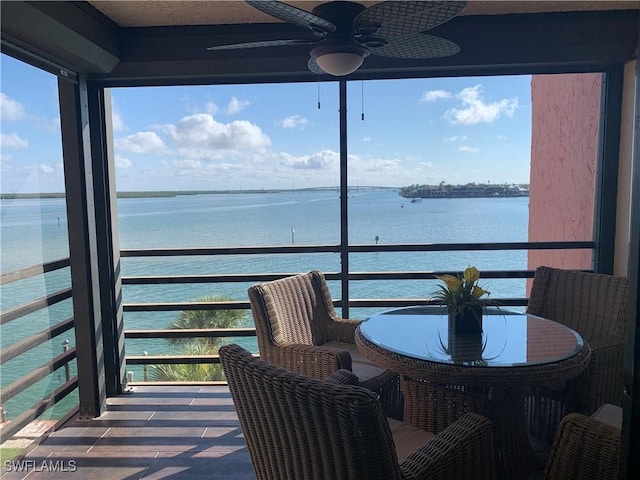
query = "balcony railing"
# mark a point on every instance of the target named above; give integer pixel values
(66, 359)
(34, 374)
(343, 302)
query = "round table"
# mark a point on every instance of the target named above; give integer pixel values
(513, 351)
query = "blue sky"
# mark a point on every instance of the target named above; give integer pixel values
(425, 131)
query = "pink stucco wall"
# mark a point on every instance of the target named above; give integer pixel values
(564, 143)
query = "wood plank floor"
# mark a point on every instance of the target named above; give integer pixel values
(151, 433)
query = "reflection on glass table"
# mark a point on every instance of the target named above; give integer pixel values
(508, 338)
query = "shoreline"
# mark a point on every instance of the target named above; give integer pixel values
(170, 194)
(175, 193)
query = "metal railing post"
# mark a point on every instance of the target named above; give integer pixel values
(67, 373)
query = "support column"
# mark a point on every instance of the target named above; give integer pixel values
(78, 172)
(631, 398)
(107, 237)
(606, 194)
(344, 201)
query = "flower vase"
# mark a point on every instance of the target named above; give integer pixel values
(466, 349)
(467, 320)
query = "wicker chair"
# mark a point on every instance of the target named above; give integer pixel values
(587, 448)
(298, 329)
(594, 305)
(301, 428)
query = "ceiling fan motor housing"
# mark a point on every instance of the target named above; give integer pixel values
(340, 13)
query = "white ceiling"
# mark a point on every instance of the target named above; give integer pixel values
(153, 13)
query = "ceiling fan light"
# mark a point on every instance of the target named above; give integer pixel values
(339, 63)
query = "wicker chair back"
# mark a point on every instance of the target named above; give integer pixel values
(302, 428)
(594, 305)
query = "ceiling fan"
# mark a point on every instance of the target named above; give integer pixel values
(343, 33)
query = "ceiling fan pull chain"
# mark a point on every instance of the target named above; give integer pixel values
(318, 82)
(362, 99)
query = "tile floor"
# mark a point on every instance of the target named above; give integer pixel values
(177, 433)
(151, 433)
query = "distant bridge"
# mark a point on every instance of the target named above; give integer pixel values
(351, 188)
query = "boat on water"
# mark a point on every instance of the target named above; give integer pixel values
(416, 200)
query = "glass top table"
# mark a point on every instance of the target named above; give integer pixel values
(490, 372)
(508, 339)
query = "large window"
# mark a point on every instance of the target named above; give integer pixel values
(457, 150)
(430, 161)
(34, 232)
(222, 166)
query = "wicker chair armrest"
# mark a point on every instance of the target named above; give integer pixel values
(602, 381)
(342, 377)
(604, 355)
(606, 344)
(584, 448)
(314, 361)
(342, 330)
(463, 450)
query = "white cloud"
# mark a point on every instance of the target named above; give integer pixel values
(201, 136)
(188, 164)
(367, 139)
(188, 167)
(467, 149)
(117, 122)
(211, 108)
(475, 110)
(388, 171)
(376, 165)
(235, 106)
(122, 162)
(294, 121)
(10, 109)
(324, 160)
(204, 170)
(455, 138)
(433, 95)
(52, 125)
(46, 169)
(12, 140)
(141, 142)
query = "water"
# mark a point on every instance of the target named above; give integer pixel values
(34, 231)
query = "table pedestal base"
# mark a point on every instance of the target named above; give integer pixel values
(433, 407)
(515, 457)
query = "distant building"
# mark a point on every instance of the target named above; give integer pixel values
(468, 190)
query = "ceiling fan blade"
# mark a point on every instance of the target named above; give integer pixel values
(398, 18)
(293, 15)
(265, 43)
(418, 45)
(314, 67)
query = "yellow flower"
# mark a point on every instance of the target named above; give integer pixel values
(471, 275)
(453, 283)
(477, 291)
(461, 291)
